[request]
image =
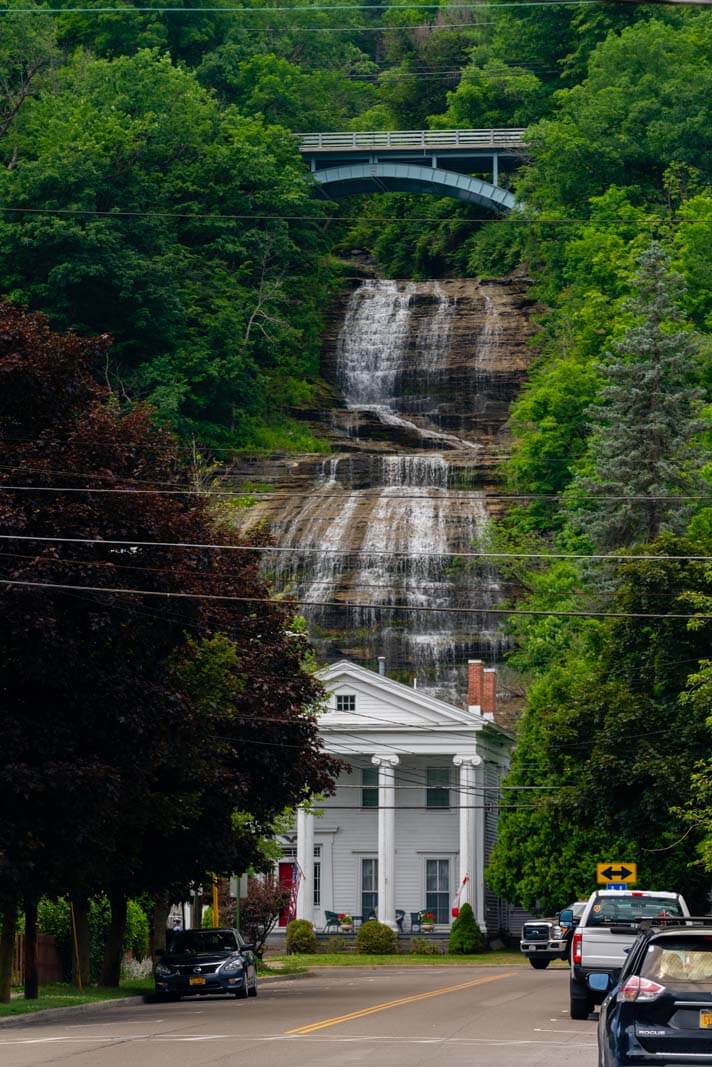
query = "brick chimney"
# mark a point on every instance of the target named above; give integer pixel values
(489, 692)
(475, 684)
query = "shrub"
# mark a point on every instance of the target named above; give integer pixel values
(465, 935)
(376, 939)
(301, 937)
(260, 909)
(420, 946)
(53, 917)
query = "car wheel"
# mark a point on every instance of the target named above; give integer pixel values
(252, 992)
(539, 965)
(580, 1008)
(242, 992)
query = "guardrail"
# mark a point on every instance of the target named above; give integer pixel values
(395, 139)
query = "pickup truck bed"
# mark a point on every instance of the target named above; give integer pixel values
(608, 928)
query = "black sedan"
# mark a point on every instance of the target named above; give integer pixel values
(199, 962)
(660, 1010)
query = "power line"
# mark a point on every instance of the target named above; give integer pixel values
(129, 9)
(346, 605)
(513, 217)
(320, 550)
(342, 578)
(474, 495)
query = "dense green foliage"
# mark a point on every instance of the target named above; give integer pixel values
(301, 937)
(152, 190)
(54, 918)
(376, 939)
(466, 937)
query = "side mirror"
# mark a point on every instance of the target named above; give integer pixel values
(599, 982)
(566, 917)
(249, 946)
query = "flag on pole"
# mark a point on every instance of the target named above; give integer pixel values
(456, 899)
(297, 875)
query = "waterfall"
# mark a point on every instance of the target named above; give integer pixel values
(379, 355)
(379, 528)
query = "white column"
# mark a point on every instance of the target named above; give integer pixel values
(469, 799)
(305, 859)
(484, 797)
(386, 838)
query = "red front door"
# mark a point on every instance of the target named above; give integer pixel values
(286, 879)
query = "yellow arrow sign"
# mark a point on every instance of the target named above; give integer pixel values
(624, 873)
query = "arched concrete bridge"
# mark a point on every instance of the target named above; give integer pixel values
(439, 162)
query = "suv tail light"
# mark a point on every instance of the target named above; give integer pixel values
(641, 989)
(576, 948)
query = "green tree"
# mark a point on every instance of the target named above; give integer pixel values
(642, 105)
(610, 746)
(28, 53)
(641, 452)
(205, 295)
(466, 938)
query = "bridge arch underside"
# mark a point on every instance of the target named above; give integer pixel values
(412, 178)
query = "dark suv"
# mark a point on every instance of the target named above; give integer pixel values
(660, 1010)
(198, 962)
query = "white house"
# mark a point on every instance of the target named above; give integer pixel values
(413, 818)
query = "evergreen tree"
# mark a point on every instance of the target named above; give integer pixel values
(642, 447)
(466, 937)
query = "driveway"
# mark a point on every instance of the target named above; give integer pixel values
(493, 1017)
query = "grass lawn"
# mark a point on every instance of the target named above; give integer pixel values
(61, 995)
(501, 957)
(274, 965)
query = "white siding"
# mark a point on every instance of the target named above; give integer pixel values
(420, 834)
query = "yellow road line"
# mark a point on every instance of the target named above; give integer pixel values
(311, 1028)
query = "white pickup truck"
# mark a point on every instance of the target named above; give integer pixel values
(604, 934)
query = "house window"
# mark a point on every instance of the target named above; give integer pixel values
(369, 787)
(346, 702)
(369, 887)
(437, 889)
(438, 787)
(317, 885)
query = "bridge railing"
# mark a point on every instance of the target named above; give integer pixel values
(408, 139)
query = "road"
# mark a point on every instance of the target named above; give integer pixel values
(486, 1016)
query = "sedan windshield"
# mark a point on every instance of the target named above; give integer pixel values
(202, 941)
(608, 910)
(672, 961)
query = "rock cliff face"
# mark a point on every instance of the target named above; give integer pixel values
(423, 374)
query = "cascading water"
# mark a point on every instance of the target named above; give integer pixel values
(381, 524)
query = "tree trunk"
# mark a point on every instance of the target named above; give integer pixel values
(80, 973)
(113, 950)
(31, 976)
(8, 919)
(161, 908)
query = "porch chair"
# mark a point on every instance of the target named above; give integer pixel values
(415, 922)
(332, 919)
(400, 916)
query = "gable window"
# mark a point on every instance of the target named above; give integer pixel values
(437, 889)
(346, 702)
(369, 787)
(438, 787)
(369, 887)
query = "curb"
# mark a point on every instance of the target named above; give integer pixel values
(47, 1014)
(71, 1010)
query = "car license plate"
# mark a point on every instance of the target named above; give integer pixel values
(706, 1019)
(196, 981)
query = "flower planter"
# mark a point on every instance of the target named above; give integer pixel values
(427, 928)
(346, 928)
